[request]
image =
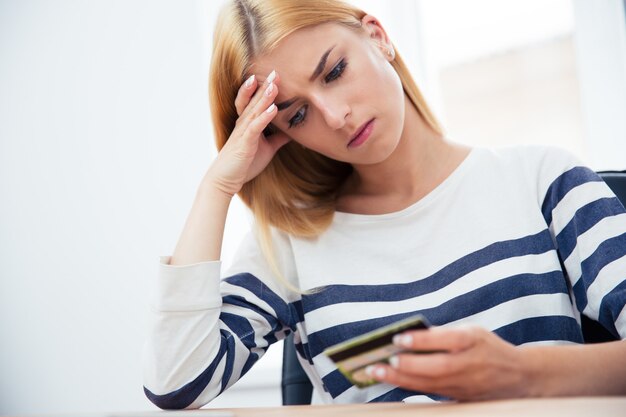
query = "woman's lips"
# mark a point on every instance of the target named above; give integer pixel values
(363, 135)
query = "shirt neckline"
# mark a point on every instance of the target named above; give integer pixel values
(455, 176)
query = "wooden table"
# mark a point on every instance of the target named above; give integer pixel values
(566, 407)
(553, 407)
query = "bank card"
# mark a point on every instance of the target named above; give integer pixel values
(354, 355)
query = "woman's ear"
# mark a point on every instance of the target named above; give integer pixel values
(377, 34)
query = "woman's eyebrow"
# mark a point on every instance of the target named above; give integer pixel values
(318, 70)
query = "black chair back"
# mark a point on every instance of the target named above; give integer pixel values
(296, 387)
(616, 180)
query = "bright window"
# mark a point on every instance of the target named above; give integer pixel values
(504, 71)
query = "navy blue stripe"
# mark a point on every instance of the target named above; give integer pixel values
(335, 383)
(454, 309)
(612, 305)
(244, 331)
(184, 396)
(270, 338)
(564, 184)
(229, 364)
(538, 329)
(335, 294)
(303, 351)
(399, 394)
(299, 348)
(297, 307)
(607, 252)
(239, 301)
(585, 218)
(496, 293)
(276, 326)
(241, 327)
(568, 281)
(252, 358)
(284, 312)
(276, 335)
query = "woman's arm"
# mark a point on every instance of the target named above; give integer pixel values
(208, 330)
(593, 369)
(201, 238)
(475, 364)
(246, 153)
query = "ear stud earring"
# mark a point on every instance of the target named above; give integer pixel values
(389, 51)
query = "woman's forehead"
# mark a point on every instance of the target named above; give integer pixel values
(299, 54)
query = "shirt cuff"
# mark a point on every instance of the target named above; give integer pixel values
(187, 287)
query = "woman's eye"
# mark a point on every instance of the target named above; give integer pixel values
(337, 71)
(334, 74)
(298, 117)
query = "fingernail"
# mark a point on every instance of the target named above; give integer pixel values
(268, 90)
(271, 77)
(249, 81)
(403, 340)
(394, 362)
(270, 108)
(374, 371)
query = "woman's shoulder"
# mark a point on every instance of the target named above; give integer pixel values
(541, 162)
(538, 155)
(545, 169)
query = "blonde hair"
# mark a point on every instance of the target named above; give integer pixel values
(297, 191)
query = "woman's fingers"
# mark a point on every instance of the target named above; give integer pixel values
(389, 375)
(266, 96)
(245, 94)
(260, 110)
(429, 364)
(247, 152)
(451, 339)
(267, 111)
(250, 96)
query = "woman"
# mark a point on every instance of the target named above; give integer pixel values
(367, 214)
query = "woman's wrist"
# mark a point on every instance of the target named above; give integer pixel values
(565, 370)
(210, 186)
(536, 373)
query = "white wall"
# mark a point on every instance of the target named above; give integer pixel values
(104, 134)
(600, 39)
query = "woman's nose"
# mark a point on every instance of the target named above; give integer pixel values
(334, 111)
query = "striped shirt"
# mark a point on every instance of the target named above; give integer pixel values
(520, 241)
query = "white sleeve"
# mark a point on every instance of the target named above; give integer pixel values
(208, 332)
